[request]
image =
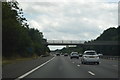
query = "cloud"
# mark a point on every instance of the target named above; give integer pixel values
(82, 1)
(71, 20)
(35, 24)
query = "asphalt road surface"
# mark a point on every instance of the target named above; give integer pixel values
(64, 67)
(19, 68)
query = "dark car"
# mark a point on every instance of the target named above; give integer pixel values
(57, 54)
(74, 55)
(66, 54)
(80, 55)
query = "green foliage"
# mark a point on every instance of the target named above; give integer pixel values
(71, 49)
(18, 38)
(111, 34)
(108, 35)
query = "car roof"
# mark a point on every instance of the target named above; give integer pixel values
(89, 51)
(74, 52)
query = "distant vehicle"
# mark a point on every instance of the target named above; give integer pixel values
(74, 55)
(80, 55)
(90, 56)
(57, 54)
(100, 54)
(66, 54)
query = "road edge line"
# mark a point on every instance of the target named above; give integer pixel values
(34, 69)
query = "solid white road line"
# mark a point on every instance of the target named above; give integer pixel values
(24, 75)
(73, 62)
(91, 73)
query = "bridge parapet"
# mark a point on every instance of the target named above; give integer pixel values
(80, 42)
(69, 42)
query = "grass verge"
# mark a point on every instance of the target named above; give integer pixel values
(16, 59)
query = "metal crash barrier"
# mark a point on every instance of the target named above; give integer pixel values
(110, 57)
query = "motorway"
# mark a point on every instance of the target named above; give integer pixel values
(64, 67)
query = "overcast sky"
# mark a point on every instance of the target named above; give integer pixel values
(71, 20)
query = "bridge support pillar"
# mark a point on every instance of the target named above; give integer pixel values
(67, 46)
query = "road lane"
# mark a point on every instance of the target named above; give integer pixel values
(31, 71)
(60, 67)
(64, 67)
(104, 70)
(17, 69)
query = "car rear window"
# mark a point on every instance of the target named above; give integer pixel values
(90, 53)
(74, 53)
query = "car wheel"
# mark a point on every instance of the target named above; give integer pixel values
(71, 58)
(78, 58)
(82, 62)
(97, 62)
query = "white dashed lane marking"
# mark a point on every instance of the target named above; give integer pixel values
(91, 73)
(78, 65)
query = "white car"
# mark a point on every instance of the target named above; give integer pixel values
(74, 55)
(90, 56)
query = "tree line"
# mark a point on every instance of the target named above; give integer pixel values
(111, 35)
(17, 38)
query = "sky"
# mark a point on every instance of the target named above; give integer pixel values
(70, 19)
